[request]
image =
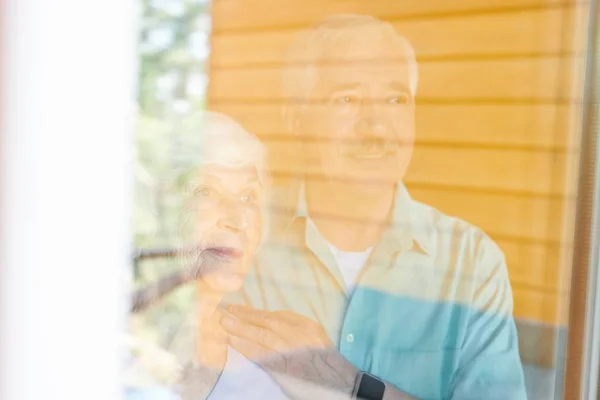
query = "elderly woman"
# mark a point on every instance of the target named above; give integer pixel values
(223, 179)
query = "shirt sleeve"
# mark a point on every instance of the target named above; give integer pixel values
(490, 366)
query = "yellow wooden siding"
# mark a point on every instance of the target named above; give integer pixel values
(286, 14)
(495, 114)
(519, 126)
(529, 32)
(534, 79)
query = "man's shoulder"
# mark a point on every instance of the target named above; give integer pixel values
(475, 244)
(473, 258)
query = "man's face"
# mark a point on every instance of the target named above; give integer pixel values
(360, 122)
(224, 225)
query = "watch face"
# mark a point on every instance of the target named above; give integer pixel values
(370, 388)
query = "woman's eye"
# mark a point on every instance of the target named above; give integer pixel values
(203, 192)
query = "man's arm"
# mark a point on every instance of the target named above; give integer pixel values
(490, 365)
(391, 393)
(299, 389)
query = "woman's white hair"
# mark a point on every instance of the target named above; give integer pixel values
(312, 46)
(216, 139)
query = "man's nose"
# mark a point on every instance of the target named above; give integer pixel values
(372, 127)
(371, 121)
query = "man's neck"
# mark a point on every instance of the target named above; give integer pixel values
(350, 217)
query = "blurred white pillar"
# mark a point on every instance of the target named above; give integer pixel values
(67, 72)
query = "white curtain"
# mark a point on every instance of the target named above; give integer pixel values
(67, 83)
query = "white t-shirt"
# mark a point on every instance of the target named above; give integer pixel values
(242, 379)
(350, 263)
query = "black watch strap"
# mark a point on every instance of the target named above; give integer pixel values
(370, 387)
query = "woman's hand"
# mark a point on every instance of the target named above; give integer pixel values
(294, 349)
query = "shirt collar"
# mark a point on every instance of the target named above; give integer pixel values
(408, 224)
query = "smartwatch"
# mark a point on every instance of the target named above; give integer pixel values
(370, 387)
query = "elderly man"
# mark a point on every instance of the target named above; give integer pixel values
(362, 291)
(223, 178)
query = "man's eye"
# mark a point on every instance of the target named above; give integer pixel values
(346, 99)
(399, 99)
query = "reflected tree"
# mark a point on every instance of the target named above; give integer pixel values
(173, 52)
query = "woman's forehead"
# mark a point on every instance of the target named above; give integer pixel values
(232, 175)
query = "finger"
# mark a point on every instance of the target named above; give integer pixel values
(252, 350)
(256, 317)
(278, 321)
(268, 318)
(262, 336)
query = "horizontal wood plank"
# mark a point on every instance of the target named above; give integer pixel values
(546, 79)
(537, 31)
(527, 218)
(483, 169)
(505, 217)
(538, 306)
(536, 126)
(257, 14)
(511, 170)
(534, 265)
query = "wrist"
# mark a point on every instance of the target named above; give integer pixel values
(346, 374)
(369, 387)
(352, 382)
(354, 394)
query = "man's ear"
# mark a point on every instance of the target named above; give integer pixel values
(291, 117)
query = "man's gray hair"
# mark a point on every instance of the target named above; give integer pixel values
(300, 74)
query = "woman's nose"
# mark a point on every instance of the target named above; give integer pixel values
(231, 219)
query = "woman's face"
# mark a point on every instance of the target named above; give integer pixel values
(224, 226)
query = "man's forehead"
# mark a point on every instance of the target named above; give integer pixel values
(391, 74)
(381, 56)
(365, 52)
(361, 42)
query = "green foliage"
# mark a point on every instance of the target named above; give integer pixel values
(173, 47)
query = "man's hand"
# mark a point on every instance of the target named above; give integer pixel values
(293, 349)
